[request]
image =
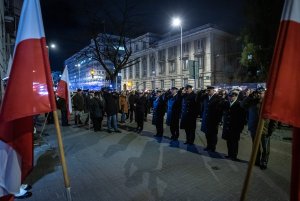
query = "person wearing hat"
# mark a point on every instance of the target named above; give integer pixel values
(233, 123)
(78, 102)
(252, 104)
(173, 113)
(159, 109)
(211, 117)
(188, 114)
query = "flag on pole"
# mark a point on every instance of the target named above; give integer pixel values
(29, 89)
(63, 90)
(282, 99)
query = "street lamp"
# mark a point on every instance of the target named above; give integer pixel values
(176, 22)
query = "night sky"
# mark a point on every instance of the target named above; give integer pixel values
(65, 20)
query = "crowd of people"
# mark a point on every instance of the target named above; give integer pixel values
(179, 109)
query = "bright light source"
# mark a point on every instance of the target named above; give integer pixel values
(52, 45)
(176, 22)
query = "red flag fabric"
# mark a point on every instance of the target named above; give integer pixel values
(282, 99)
(63, 89)
(29, 89)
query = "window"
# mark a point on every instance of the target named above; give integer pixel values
(173, 83)
(200, 45)
(137, 70)
(144, 45)
(153, 84)
(130, 72)
(185, 48)
(144, 85)
(137, 85)
(152, 65)
(162, 68)
(136, 47)
(162, 55)
(185, 64)
(172, 52)
(162, 84)
(125, 72)
(200, 61)
(185, 81)
(144, 66)
(172, 67)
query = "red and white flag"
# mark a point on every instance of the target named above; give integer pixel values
(63, 90)
(29, 89)
(282, 99)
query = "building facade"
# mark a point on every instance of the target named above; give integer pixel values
(10, 11)
(209, 57)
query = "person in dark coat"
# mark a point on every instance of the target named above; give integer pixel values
(211, 117)
(96, 111)
(233, 123)
(173, 112)
(62, 105)
(159, 110)
(132, 100)
(252, 102)
(140, 111)
(188, 114)
(78, 102)
(111, 109)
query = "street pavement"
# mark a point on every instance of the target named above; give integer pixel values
(139, 167)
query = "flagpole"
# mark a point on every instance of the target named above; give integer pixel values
(255, 147)
(62, 156)
(295, 175)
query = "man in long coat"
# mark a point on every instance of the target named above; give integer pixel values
(211, 117)
(159, 110)
(173, 112)
(189, 114)
(233, 123)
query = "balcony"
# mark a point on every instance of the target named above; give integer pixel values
(171, 58)
(162, 59)
(199, 52)
(185, 55)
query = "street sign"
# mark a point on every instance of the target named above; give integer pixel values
(193, 69)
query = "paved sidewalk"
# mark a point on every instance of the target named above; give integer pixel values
(131, 167)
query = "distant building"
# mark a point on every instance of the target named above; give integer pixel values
(86, 73)
(209, 57)
(208, 50)
(9, 19)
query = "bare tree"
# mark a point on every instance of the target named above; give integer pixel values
(113, 47)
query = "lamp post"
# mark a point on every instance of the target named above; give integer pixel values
(177, 22)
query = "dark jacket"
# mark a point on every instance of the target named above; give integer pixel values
(188, 111)
(61, 104)
(212, 113)
(174, 109)
(233, 121)
(96, 107)
(78, 102)
(159, 109)
(140, 104)
(111, 104)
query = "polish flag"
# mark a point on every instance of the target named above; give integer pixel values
(29, 90)
(282, 99)
(281, 102)
(63, 90)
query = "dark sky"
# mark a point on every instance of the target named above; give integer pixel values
(65, 20)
